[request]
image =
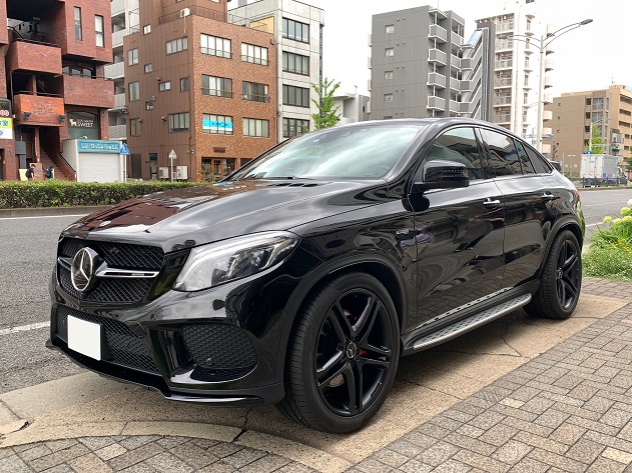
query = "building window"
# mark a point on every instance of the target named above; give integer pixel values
(388, 117)
(98, 31)
(149, 105)
(217, 86)
(389, 52)
(297, 96)
(390, 29)
(164, 86)
(295, 30)
(295, 63)
(149, 68)
(184, 84)
(388, 97)
(132, 57)
(134, 127)
(528, 25)
(134, 91)
(254, 54)
(255, 92)
(146, 29)
(178, 122)
(215, 46)
(217, 124)
(294, 127)
(256, 128)
(388, 75)
(177, 45)
(78, 33)
(81, 71)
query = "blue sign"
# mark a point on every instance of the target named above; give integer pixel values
(217, 125)
(124, 149)
(98, 146)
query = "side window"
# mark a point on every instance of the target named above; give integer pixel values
(458, 145)
(540, 163)
(527, 167)
(503, 157)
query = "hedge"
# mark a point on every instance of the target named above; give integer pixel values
(54, 193)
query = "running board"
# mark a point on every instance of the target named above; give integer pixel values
(470, 323)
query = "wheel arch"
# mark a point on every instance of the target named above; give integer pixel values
(564, 224)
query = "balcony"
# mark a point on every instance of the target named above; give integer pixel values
(547, 131)
(467, 63)
(504, 45)
(455, 106)
(547, 82)
(504, 64)
(502, 118)
(436, 103)
(369, 65)
(114, 71)
(44, 110)
(438, 33)
(548, 65)
(117, 38)
(504, 26)
(119, 101)
(502, 100)
(88, 92)
(436, 55)
(548, 98)
(547, 115)
(455, 61)
(34, 57)
(436, 79)
(117, 7)
(466, 86)
(455, 84)
(117, 132)
(502, 82)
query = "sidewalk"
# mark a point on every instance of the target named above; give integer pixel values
(568, 409)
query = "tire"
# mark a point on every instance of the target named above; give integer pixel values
(343, 355)
(561, 280)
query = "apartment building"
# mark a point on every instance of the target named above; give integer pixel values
(516, 69)
(417, 65)
(572, 116)
(298, 37)
(478, 81)
(124, 21)
(351, 107)
(201, 90)
(52, 83)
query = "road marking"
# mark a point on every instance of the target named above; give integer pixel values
(607, 203)
(42, 216)
(24, 328)
(591, 224)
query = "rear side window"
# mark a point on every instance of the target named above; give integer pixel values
(527, 167)
(503, 157)
(458, 145)
(540, 163)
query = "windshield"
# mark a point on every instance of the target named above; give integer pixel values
(347, 152)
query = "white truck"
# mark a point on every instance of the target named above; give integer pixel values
(601, 170)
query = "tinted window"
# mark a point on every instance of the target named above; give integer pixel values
(527, 167)
(540, 163)
(459, 145)
(503, 158)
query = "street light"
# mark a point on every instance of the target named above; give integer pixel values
(544, 43)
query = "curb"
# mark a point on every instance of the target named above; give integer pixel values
(52, 211)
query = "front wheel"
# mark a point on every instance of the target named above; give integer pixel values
(561, 280)
(343, 356)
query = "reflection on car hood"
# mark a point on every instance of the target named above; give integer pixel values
(196, 215)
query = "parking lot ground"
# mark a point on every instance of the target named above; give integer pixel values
(519, 394)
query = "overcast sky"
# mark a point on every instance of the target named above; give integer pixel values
(591, 57)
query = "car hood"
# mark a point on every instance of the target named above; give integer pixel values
(196, 215)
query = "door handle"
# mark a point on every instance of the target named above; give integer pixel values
(491, 204)
(547, 197)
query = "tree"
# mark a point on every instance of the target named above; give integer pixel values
(327, 115)
(597, 143)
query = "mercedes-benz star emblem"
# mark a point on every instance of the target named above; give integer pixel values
(84, 265)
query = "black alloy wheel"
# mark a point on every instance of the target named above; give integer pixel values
(344, 357)
(561, 280)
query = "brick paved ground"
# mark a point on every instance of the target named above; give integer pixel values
(568, 410)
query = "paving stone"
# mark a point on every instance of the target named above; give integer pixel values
(457, 415)
(452, 466)
(529, 465)
(171, 442)
(569, 381)
(512, 452)
(139, 468)
(433, 431)
(563, 463)
(592, 425)
(536, 429)
(38, 450)
(13, 464)
(56, 445)
(390, 458)
(516, 404)
(479, 461)
(513, 412)
(409, 449)
(60, 469)
(243, 457)
(486, 420)
(166, 462)
(89, 463)
(437, 454)
(295, 468)
(95, 443)
(567, 433)
(418, 439)
(617, 455)
(609, 440)
(470, 443)
(585, 451)
(605, 465)
(541, 442)
(223, 449)
(7, 452)
(538, 405)
(598, 404)
(219, 467)
(447, 423)
(137, 455)
(470, 431)
(552, 418)
(414, 466)
(58, 457)
(499, 434)
(136, 441)
(565, 399)
(267, 464)
(616, 417)
(111, 451)
(193, 455)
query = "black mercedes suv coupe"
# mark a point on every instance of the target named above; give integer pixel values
(304, 276)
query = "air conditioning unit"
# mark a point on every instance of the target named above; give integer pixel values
(181, 173)
(163, 173)
(185, 12)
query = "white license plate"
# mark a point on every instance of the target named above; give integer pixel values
(84, 337)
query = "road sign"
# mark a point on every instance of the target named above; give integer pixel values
(173, 155)
(124, 150)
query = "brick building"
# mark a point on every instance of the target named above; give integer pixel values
(52, 75)
(200, 86)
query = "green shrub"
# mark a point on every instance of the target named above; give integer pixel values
(54, 193)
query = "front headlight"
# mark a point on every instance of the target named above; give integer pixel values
(217, 263)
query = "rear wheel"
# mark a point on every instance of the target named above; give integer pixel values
(343, 356)
(561, 280)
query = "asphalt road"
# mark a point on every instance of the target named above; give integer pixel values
(26, 261)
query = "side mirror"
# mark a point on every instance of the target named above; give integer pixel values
(442, 174)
